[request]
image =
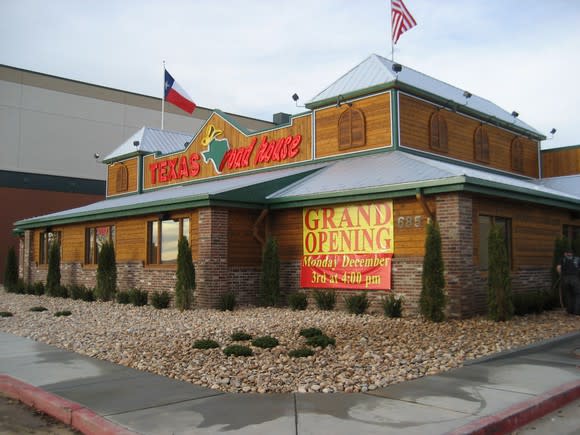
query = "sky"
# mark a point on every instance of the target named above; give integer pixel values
(250, 56)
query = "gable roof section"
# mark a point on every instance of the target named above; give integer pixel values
(569, 184)
(376, 73)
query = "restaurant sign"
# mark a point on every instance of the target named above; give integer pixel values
(348, 246)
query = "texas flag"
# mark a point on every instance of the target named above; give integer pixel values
(177, 96)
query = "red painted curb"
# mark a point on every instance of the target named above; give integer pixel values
(71, 413)
(522, 413)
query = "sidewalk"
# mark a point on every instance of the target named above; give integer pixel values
(490, 395)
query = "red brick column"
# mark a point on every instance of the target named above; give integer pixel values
(455, 218)
(212, 265)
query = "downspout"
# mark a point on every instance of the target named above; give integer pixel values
(395, 118)
(539, 160)
(421, 198)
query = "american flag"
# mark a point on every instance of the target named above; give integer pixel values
(401, 19)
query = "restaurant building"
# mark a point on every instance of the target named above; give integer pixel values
(346, 188)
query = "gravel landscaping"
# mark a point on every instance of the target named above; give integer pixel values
(371, 351)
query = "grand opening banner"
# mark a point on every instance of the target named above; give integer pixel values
(348, 246)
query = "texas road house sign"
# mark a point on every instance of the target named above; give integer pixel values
(220, 148)
(348, 246)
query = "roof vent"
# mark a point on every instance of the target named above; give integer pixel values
(281, 118)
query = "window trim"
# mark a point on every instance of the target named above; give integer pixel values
(44, 245)
(94, 247)
(159, 248)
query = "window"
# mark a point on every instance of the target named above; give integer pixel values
(481, 145)
(571, 232)
(517, 155)
(46, 239)
(162, 239)
(94, 239)
(122, 178)
(485, 223)
(438, 132)
(351, 129)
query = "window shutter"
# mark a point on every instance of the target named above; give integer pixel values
(443, 146)
(357, 128)
(351, 129)
(344, 139)
(481, 144)
(122, 178)
(517, 154)
(434, 131)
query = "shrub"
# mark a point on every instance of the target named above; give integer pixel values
(238, 350)
(301, 353)
(62, 313)
(160, 300)
(77, 292)
(185, 284)
(20, 287)
(11, 270)
(310, 332)
(560, 245)
(123, 297)
(298, 301)
(5, 314)
(53, 275)
(393, 305)
(227, 301)
(38, 309)
(499, 288)
(270, 275)
(432, 300)
(325, 300)
(89, 295)
(357, 304)
(38, 288)
(106, 272)
(60, 291)
(205, 344)
(529, 302)
(240, 336)
(266, 342)
(30, 290)
(322, 340)
(138, 297)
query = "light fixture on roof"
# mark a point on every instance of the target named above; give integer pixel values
(136, 143)
(553, 131)
(397, 68)
(515, 114)
(467, 95)
(340, 100)
(185, 144)
(96, 156)
(295, 97)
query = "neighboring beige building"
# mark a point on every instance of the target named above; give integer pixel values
(51, 128)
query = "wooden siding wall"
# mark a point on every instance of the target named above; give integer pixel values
(236, 139)
(534, 229)
(377, 114)
(414, 127)
(557, 163)
(132, 166)
(130, 243)
(243, 248)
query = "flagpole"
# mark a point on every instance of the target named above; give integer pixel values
(163, 98)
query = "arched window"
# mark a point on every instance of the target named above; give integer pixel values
(122, 178)
(481, 144)
(351, 129)
(438, 132)
(517, 154)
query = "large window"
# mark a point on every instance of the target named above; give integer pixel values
(485, 223)
(162, 239)
(46, 239)
(94, 239)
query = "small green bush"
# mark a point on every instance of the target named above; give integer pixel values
(310, 332)
(205, 344)
(298, 301)
(38, 309)
(238, 350)
(39, 288)
(30, 290)
(393, 305)
(325, 300)
(11, 270)
(106, 272)
(138, 297)
(123, 297)
(320, 341)
(357, 304)
(20, 288)
(227, 301)
(240, 336)
(60, 291)
(77, 292)
(160, 300)
(185, 273)
(89, 295)
(62, 313)
(5, 314)
(529, 302)
(266, 342)
(303, 352)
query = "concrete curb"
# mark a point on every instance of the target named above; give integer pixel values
(522, 413)
(70, 413)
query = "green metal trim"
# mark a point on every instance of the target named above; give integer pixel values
(395, 118)
(350, 95)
